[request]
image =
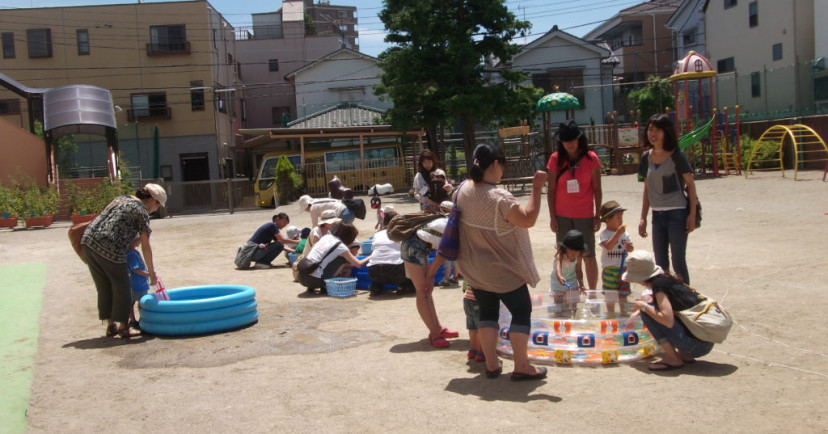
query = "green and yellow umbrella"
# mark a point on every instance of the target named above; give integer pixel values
(558, 101)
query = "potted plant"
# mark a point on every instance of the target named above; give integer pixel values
(9, 207)
(39, 205)
(84, 203)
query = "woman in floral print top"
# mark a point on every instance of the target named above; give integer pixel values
(105, 244)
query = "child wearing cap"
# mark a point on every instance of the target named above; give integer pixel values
(567, 278)
(615, 245)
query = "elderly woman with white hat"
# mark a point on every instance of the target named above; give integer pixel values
(671, 295)
(105, 244)
(317, 206)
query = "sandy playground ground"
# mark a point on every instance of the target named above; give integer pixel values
(319, 364)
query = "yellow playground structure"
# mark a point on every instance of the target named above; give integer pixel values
(807, 147)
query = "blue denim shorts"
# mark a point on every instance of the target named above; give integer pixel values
(472, 311)
(415, 251)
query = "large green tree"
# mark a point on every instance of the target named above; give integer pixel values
(435, 69)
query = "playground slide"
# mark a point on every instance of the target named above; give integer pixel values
(694, 136)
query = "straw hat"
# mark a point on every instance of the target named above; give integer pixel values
(641, 267)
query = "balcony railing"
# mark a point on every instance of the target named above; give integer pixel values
(149, 113)
(160, 48)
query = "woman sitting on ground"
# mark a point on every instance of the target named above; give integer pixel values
(331, 252)
(671, 295)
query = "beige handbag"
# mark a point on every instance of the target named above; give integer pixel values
(707, 321)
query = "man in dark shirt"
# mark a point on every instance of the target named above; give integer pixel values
(270, 239)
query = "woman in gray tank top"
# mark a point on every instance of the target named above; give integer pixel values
(664, 169)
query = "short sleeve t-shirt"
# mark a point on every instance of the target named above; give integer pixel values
(135, 262)
(680, 296)
(663, 184)
(384, 251)
(495, 255)
(113, 230)
(265, 234)
(321, 248)
(611, 255)
(575, 200)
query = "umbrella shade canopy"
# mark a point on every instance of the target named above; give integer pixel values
(558, 101)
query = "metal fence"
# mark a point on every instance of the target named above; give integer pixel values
(206, 196)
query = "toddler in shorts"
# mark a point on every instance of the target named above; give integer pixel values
(472, 310)
(616, 244)
(138, 275)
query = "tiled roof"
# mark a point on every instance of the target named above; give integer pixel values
(352, 115)
(653, 6)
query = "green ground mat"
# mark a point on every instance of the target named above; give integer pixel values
(21, 292)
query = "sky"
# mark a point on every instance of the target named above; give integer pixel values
(573, 16)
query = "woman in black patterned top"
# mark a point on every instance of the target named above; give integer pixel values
(105, 244)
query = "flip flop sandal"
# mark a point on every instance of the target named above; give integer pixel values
(520, 376)
(111, 330)
(495, 373)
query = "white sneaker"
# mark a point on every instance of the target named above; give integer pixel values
(260, 266)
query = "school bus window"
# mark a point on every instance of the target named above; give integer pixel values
(341, 161)
(381, 157)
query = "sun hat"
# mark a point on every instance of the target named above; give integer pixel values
(304, 201)
(329, 217)
(568, 131)
(574, 240)
(292, 231)
(610, 208)
(640, 267)
(157, 192)
(389, 208)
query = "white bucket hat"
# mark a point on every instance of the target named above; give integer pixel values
(157, 192)
(304, 201)
(329, 217)
(641, 267)
(292, 232)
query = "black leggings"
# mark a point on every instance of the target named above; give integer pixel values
(517, 301)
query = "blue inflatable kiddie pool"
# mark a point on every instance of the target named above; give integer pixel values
(199, 310)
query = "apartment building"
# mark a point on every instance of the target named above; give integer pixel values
(168, 65)
(764, 52)
(639, 38)
(277, 44)
(687, 27)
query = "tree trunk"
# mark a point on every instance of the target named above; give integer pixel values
(431, 138)
(469, 142)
